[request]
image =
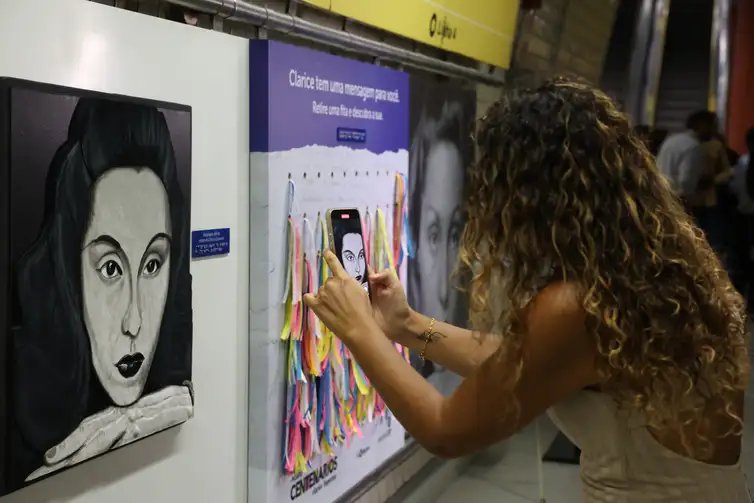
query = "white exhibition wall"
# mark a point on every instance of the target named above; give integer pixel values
(85, 45)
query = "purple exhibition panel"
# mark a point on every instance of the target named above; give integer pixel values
(325, 132)
(325, 100)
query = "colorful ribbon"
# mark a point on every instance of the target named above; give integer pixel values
(297, 397)
(329, 398)
(398, 219)
(384, 260)
(383, 250)
(407, 248)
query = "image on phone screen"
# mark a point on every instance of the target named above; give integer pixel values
(348, 243)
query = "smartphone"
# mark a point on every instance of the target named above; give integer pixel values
(347, 241)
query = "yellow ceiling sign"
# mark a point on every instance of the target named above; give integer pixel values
(479, 29)
(322, 4)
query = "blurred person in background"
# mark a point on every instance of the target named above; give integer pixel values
(681, 157)
(656, 139)
(593, 297)
(706, 202)
(733, 156)
(742, 187)
(689, 165)
(723, 159)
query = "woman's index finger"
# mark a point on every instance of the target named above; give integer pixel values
(335, 266)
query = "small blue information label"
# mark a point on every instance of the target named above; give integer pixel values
(351, 135)
(210, 243)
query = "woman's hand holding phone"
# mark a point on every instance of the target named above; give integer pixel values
(341, 303)
(391, 310)
(389, 305)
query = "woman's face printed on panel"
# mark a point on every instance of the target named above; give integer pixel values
(440, 230)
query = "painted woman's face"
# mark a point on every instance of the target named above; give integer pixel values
(354, 259)
(125, 269)
(440, 231)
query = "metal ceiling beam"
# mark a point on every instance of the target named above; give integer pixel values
(262, 17)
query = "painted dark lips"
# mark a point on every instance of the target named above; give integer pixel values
(129, 365)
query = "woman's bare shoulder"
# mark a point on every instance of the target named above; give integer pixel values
(555, 319)
(559, 299)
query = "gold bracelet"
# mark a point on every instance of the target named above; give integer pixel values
(427, 338)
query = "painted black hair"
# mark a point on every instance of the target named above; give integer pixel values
(54, 386)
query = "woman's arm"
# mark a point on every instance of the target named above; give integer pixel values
(460, 350)
(558, 359)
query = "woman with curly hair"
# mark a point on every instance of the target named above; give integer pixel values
(593, 296)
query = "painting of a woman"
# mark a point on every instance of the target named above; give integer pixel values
(101, 342)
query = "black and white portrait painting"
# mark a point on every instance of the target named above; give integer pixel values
(95, 298)
(442, 121)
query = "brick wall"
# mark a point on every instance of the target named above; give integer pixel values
(563, 37)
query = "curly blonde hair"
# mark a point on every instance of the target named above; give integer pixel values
(563, 183)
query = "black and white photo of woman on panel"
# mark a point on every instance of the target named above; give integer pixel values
(441, 149)
(102, 353)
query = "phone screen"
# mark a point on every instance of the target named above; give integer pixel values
(348, 243)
